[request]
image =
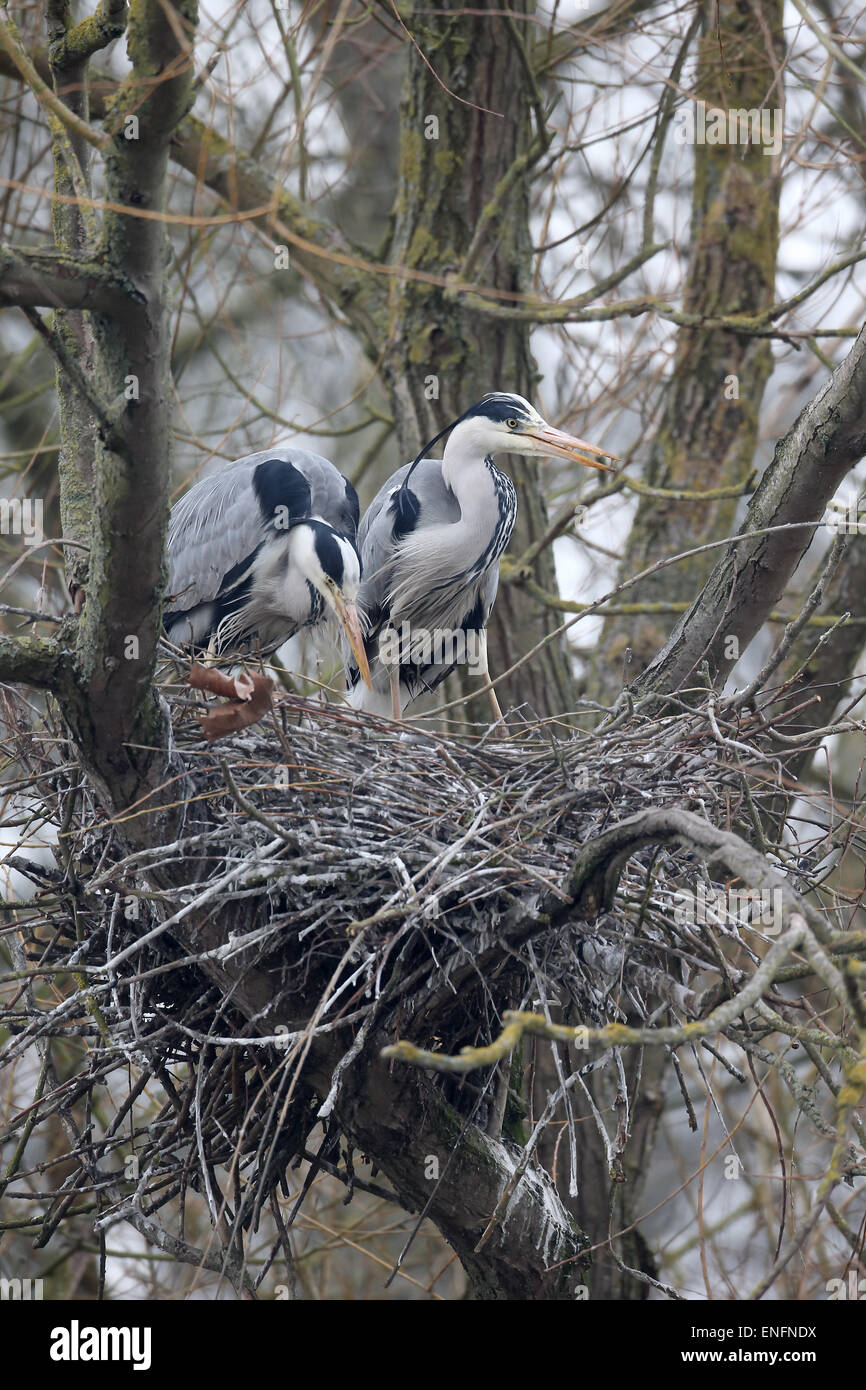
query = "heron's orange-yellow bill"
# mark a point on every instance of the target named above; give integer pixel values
(563, 445)
(348, 615)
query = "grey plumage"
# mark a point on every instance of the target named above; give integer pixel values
(430, 546)
(255, 549)
(412, 578)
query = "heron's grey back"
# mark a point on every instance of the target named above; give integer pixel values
(376, 532)
(218, 525)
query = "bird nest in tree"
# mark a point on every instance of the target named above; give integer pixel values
(409, 889)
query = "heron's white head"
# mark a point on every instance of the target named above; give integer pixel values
(504, 423)
(329, 562)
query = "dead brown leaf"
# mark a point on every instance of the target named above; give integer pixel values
(249, 699)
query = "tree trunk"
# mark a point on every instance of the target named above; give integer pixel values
(708, 431)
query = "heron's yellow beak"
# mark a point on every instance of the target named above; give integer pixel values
(348, 615)
(566, 446)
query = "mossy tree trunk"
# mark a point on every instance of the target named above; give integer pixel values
(709, 424)
(107, 282)
(606, 1202)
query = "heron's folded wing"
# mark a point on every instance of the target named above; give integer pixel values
(217, 527)
(381, 531)
(331, 496)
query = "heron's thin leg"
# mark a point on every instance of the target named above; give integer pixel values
(498, 716)
(501, 729)
(396, 706)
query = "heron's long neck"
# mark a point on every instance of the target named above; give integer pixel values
(443, 562)
(486, 498)
(468, 473)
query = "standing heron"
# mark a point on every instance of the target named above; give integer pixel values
(430, 543)
(260, 550)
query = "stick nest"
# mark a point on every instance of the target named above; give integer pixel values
(379, 877)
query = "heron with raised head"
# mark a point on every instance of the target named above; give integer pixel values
(430, 544)
(262, 549)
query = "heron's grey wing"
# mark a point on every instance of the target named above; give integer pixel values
(381, 531)
(333, 497)
(217, 527)
(213, 529)
(488, 591)
(382, 538)
(421, 674)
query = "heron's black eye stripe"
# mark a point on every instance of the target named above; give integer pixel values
(499, 410)
(328, 551)
(282, 492)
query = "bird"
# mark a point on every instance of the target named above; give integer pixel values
(259, 550)
(430, 544)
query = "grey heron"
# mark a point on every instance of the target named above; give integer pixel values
(261, 549)
(430, 543)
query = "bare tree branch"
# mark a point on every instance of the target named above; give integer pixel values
(50, 280)
(92, 33)
(810, 461)
(44, 662)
